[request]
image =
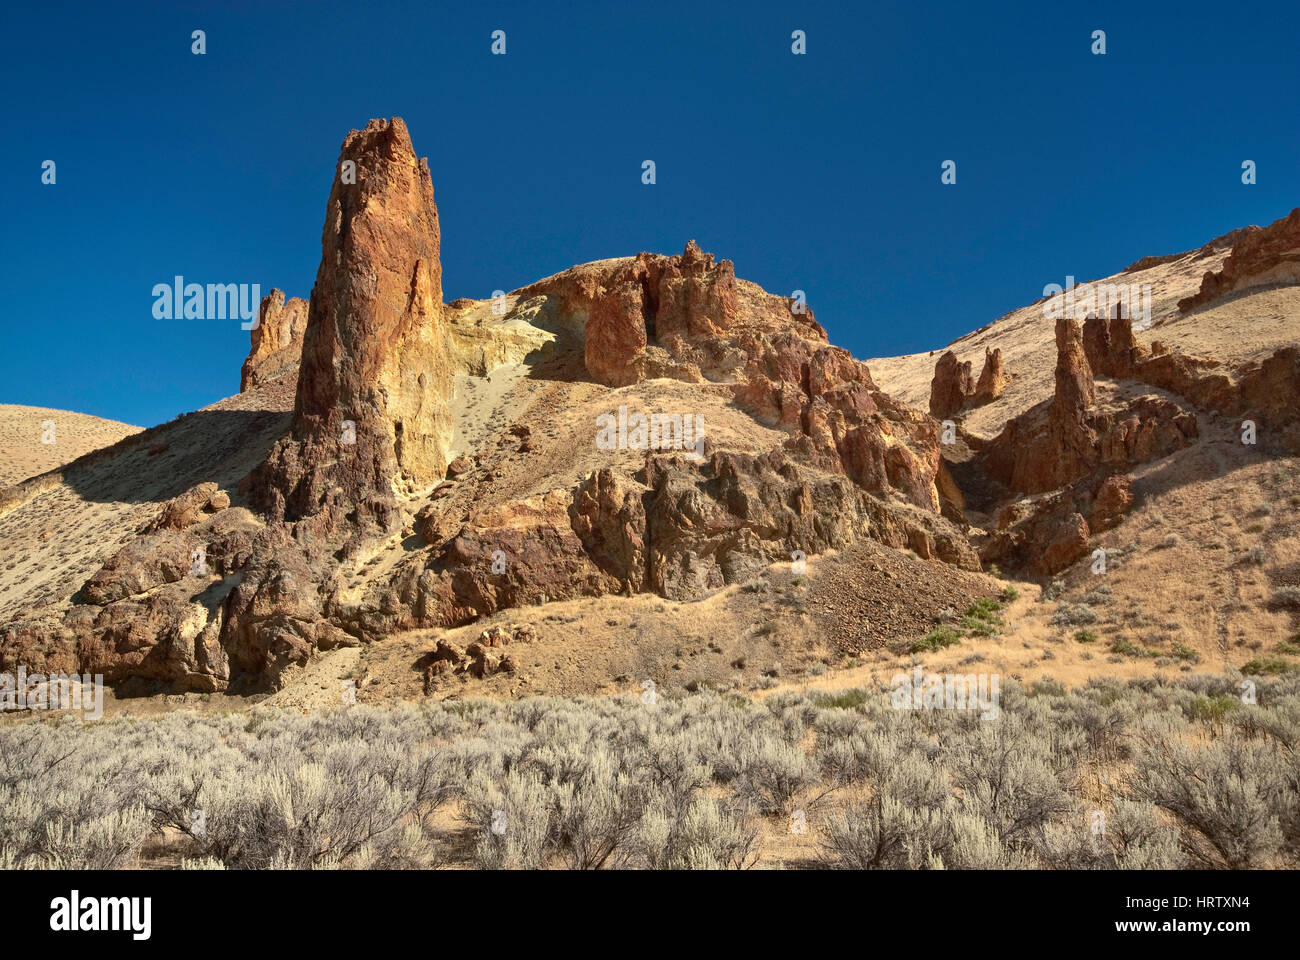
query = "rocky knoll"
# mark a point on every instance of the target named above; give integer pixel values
(688, 318)
(209, 594)
(1259, 257)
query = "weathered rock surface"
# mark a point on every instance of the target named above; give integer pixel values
(190, 507)
(1055, 444)
(953, 388)
(993, 379)
(1111, 348)
(276, 347)
(951, 385)
(371, 413)
(1049, 535)
(1260, 257)
(141, 565)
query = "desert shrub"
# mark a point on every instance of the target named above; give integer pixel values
(883, 834)
(512, 821)
(595, 814)
(1129, 649)
(1288, 596)
(936, 640)
(1005, 774)
(984, 608)
(1189, 776)
(1229, 795)
(773, 774)
(1098, 595)
(1073, 616)
(1085, 636)
(1268, 665)
(705, 834)
(1129, 836)
(844, 699)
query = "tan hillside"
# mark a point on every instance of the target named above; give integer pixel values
(23, 453)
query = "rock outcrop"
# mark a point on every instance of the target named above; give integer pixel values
(1259, 258)
(371, 416)
(953, 389)
(1046, 535)
(951, 385)
(993, 380)
(1111, 348)
(688, 318)
(187, 509)
(1066, 439)
(276, 347)
(678, 528)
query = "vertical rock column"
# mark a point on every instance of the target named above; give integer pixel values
(370, 419)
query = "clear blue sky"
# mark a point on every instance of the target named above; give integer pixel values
(819, 172)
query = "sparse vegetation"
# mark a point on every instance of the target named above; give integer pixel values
(1053, 591)
(1288, 596)
(1130, 649)
(1268, 665)
(1073, 616)
(936, 640)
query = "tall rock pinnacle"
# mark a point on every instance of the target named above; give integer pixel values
(370, 418)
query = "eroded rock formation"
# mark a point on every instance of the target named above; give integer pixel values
(993, 380)
(1260, 257)
(951, 385)
(276, 345)
(953, 389)
(371, 415)
(360, 522)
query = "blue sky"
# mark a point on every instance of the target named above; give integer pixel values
(818, 172)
